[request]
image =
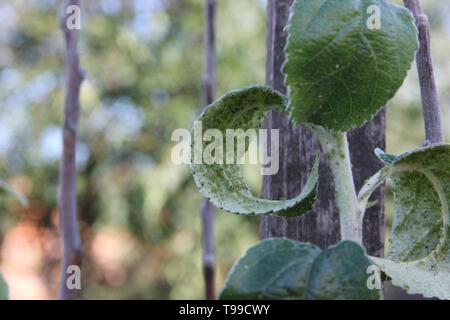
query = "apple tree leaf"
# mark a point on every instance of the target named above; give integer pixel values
(339, 71)
(419, 247)
(223, 183)
(285, 269)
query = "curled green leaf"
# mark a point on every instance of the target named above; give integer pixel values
(223, 183)
(386, 158)
(340, 68)
(286, 269)
(419, 247)
(370, 186)
(416, 278)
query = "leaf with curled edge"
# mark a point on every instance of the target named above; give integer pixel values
(419, 247)
(386, 158)
(338, 71)
(285, 269)
(4, 291)
(223, 184)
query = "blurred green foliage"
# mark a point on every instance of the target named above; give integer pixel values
(144, 60)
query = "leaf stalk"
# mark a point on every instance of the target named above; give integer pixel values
(335, 146)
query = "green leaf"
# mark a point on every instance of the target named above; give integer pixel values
(286, 269)
(340, 272)
(339, 72)
(416, 278)
(419, 245)
(7, 188)
(386, 158)
(223, 184)
(4, 291)
(272, 269)
(370, 186)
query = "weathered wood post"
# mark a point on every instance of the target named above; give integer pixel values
(298, 148)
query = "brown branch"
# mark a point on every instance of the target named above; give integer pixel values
(67, 198)
(430, 98)
(209, 76)
(207, 209)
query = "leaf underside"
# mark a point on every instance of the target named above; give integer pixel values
(286, 269)
(386, 158)
(223, 184)
(339, 72)
(419, 248)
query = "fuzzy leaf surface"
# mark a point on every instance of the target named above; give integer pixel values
(286, 269)
(419, 248)
(223, 183)
(338, 71)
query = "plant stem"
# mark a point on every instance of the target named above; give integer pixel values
(207, 209)
(430, 98)
(209, 258)
(67, 197)
(335, 146)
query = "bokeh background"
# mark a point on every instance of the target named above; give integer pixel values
(138, 211)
